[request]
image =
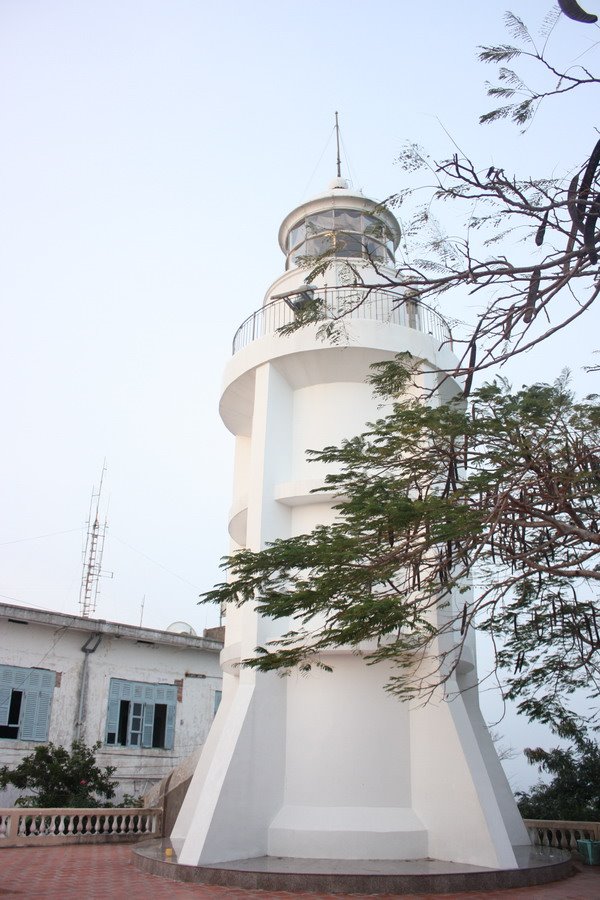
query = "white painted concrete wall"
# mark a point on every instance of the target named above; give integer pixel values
(329, 765)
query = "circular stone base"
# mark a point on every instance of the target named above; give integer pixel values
(536, 865)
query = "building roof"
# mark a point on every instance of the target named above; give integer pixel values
(26, 616)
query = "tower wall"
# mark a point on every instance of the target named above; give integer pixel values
(330, 765)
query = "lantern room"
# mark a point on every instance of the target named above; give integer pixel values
(339, 224)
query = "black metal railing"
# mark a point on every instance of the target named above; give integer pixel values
(344, 303)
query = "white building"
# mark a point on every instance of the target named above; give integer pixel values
(330, 765)
(148, 696)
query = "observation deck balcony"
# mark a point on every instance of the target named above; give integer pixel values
(344, 303)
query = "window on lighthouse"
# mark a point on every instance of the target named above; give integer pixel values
(342, 233)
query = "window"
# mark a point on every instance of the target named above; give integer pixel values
(296, 235)
(25, 703)
(140, 714)
(217, 701)
(342, 233)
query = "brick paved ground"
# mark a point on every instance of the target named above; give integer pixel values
(107, 871)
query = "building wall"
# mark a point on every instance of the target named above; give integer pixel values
(141, 658)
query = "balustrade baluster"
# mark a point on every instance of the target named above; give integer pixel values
(572, 840)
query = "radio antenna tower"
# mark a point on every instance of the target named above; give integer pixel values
(92, 554)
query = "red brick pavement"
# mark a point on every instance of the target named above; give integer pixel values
(101, 871)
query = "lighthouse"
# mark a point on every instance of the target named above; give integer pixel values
(330, 766)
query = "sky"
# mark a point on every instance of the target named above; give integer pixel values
(150, 151)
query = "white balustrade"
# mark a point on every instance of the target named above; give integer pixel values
(561, 834)
(63, 826)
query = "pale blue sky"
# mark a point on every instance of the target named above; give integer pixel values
(149, 152)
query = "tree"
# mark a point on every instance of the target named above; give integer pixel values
(417, 531)
(528, 247)
(61, 778)
(573, 792)
(458, 516)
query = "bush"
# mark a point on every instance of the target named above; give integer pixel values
(60, 777)
(574, 791)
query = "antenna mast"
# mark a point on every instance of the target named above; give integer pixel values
(92, 555)
(337, 140)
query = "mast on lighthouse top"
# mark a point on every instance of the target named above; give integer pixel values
(341, 223)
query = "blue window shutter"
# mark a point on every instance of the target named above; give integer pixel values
(35, 716)
(47, 681)
(117, 691)
(20, 676)
(5, 695)
(112, 718)
(42, 717)
(148, 725)
(34, 680)
(37, 686)
(28, 715)
(27, 679)
(170, 726)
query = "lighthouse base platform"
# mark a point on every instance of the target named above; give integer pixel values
(536, 865)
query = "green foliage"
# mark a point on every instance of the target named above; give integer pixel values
(524, 297)
(502, 496)
(573, 793)
(526, 99)
(58, 777)
(132, 800)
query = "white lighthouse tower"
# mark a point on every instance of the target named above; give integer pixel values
(329, 765)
